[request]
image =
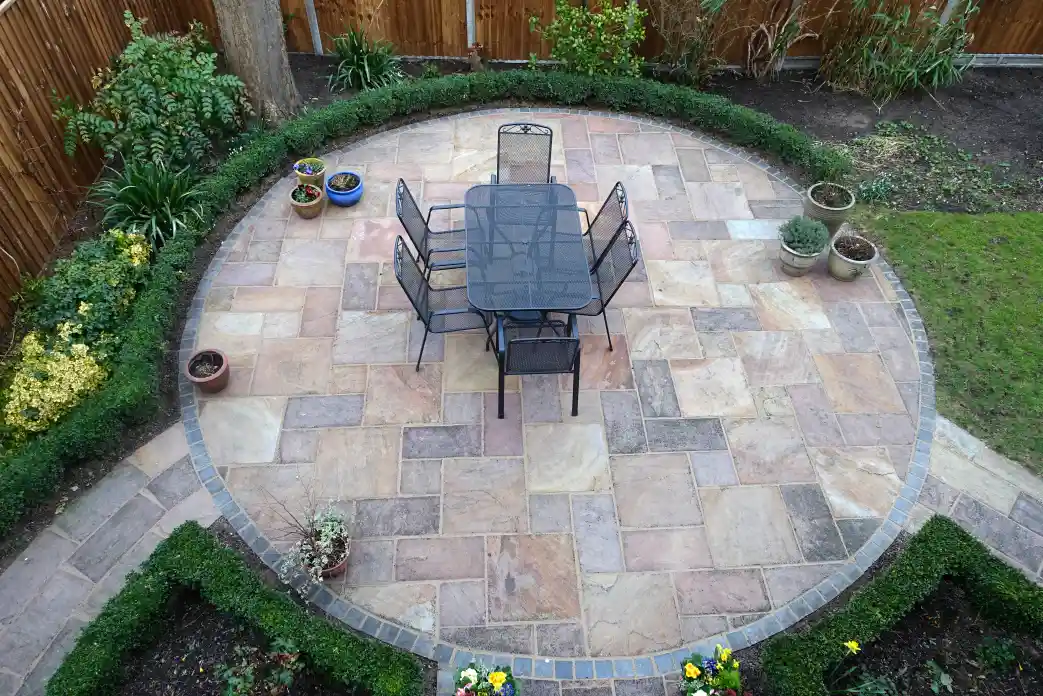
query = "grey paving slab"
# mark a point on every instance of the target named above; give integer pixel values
(623, 424)
(597, 534)
(120, 532)
(427, 442)
(655, 386)
(175, 484)
(28, 573)
(1000, 532)
(106, 497)
(52, 658)
(28, 636)
(685, 435)
(324, 411)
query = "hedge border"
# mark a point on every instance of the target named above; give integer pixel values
(796, 665)
(193, 559)
(28, 476)
(527, 666)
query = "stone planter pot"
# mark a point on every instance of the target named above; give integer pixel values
(208, 383)
(794, 263)
(831, 217)
(311, 209)
(316, 179)
(344, 199)
(843, 268)
(335, 570)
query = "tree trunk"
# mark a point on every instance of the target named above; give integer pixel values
(255, 48)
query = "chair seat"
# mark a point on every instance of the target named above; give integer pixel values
(445, 260)
(450, 299)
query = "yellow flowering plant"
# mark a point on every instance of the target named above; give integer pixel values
(717, 675)
(476, 679)
(48, 382)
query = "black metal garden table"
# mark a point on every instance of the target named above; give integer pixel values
(525, 249)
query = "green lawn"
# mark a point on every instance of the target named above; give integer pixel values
(978, 282)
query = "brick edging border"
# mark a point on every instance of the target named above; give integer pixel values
(449, 656)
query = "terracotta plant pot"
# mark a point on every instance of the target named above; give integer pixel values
(316, 179)
(311, 209)
(336, 570)
(844, 268)
(831, 216)
(794, 263)
(204, 360)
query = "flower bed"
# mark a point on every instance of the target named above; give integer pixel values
(800, 664)
(191, 559)
(30, 474)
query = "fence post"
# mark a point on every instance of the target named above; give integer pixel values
(313, 26)
(472, 37)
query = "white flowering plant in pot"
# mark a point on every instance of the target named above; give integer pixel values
(321, 539)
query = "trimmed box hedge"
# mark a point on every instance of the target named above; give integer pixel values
(193, 559)
(31, 474)
(796, 664)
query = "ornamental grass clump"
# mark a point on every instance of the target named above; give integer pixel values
(804, 236)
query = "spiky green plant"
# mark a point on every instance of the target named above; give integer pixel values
(150, 199)
(364, 64)
(804, 236)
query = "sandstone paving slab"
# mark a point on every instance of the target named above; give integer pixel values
(851, 326)
(655, 386)
(401, 394)
(786, 583)
(741, 261)
(532, 578)
(713, 469)
(242, 430)
(23, 579)
(398, 517)
(769, 450)
(440, 441)
(421, 476)
(748, 525)
(371, 337)
(721, 591)
(565, 457)
(43, 618)
(857, 481)
(410, 604)
(550, 514)
(815, 415)
(88, 512)
(516, 638)
(597, 534)
(461, 603)
(560, 640)
(710, 387)
(483, 495)
(1028, 512)
(666, 549)
(817, 533)
(856, 532)
(682, 284)
(292, 366)
(503, 436)
(624, 426)
(113, 581)
(160, 452)
(175, 484)
(359, 462)
(685, 434)
(877, 429)
(792, 305)
(858, 383)
(324, 411)
(1000, 532)
(658, 334)
(655, 490)
(695, 628)
(372, 562)
(775, 358)
(440, 558)
(963, 474)
(630, 613)
(52, 658)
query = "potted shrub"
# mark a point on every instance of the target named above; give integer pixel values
(477, 680)
(322, 542)
(310, 170)
(850, 256)
(208, 370)
(344, 189)
(803, 240)
(306, 199)
(829, 203)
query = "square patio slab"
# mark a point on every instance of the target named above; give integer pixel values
(712, 387)
(400, 394)
(857, 481)
(484, 495)
(748, 525)
(769, 451)
(775, 358)
(654, 334)
(532, 578)
(655, 490)
(564, 457)
(859, 383)
(682, 284)
(630, 613)
(371, 337)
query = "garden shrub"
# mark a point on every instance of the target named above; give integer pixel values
(364, 64)
(795, 664)
(31, 473)
(694, 37)
(150, 199)
(590, 42)
(162, 101)
(883, 48)
(192, 559)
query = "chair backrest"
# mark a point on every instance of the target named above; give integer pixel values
(523, 153)
(412, 280)
(619, 260)
(606, 223)
(411, 218)
(541, 356)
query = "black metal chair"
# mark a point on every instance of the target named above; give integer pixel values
(522, 349)
(606, 223)
(610, 271)
(523, 152)
(443, 310)
(439, 251)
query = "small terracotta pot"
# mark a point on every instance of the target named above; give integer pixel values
(337, 570)
(214, 383)
(314, 179)
(309, 210)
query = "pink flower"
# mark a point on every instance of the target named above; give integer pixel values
(461, 692)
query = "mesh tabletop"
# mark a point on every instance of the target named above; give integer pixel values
(525, 248)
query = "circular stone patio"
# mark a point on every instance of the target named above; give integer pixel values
(748, 436)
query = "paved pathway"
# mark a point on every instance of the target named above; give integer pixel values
(63, 578)
(647, 517)
(740, 457)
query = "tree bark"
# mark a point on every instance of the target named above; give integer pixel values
(255, 48)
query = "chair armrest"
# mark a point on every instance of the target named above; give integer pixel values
(449, 231)
(444, 251)
(442, 206)
(492, 179)
(500, 347)
(553, 179)
(449, 312)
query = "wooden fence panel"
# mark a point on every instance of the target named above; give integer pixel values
(503, 28)
(415, 27)
(1008, 26)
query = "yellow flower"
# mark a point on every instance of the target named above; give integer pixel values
(691, 671)
(725, 654)
(720, 666)
(497, 679)
(83, 308)
(852, 646)
(735, 664)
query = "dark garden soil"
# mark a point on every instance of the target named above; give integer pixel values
(854, 248)
(196, 642)
(947, 630)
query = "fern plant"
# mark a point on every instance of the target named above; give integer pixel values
(149, 199)
(364, 64)
(161, 101)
